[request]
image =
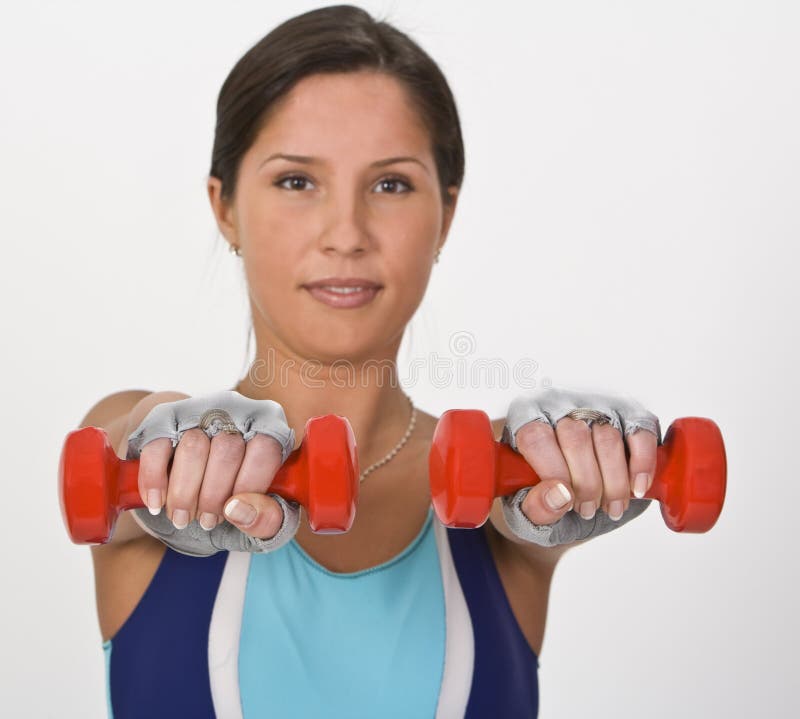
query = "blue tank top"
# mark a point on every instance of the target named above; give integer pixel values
(236, 635)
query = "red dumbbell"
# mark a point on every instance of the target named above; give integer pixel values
(321, 474)
(468, 468)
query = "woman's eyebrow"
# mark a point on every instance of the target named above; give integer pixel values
(307, 160)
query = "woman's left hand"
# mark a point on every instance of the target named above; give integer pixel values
(583, 466)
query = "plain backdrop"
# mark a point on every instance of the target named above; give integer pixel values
(628, 224)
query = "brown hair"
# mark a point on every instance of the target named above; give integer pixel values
(339, 38)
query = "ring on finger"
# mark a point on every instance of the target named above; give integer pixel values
(589, 415)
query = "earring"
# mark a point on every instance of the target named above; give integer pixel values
(438, 252)
(234, 250)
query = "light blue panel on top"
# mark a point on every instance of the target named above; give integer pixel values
(316, 643)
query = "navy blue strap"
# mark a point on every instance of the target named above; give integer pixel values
(505, 681)
(159, 659)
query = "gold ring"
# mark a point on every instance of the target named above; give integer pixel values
(219, 418)
(589, 415)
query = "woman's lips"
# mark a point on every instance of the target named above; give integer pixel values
(347, 300)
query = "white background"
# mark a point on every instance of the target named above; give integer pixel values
(629, 220)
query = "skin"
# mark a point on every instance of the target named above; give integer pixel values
(342, 216)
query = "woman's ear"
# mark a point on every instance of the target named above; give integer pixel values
(449, 212)
(224, 213)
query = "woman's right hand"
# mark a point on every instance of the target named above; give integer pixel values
(197, 477)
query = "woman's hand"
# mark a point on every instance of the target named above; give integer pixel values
(583, 466)
(212, 474)
(205, 473)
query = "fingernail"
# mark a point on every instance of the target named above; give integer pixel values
(586, 510)
(240, 512)
(154, 500)
(208, 521)
(615, 509)
(180, 518)
(640, 484)
(556, 497)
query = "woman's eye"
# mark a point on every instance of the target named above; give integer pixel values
(296, 178)
(395, 181)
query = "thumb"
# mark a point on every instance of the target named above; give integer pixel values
(547, 502)
(256, 514)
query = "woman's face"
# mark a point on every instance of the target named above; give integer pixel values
(338, 214)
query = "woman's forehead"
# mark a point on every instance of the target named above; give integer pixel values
(360, 112)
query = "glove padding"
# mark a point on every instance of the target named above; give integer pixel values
(197, 542)
(172, 419)
(550, 405)
(570, 528)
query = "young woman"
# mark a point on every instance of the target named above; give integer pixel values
(335, 174)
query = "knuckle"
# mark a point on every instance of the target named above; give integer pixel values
(265, 448)
(151, 474)
(587, 487)
(194, 440)
(572, 431)
(179, 495)
(606, 436)
(533, 433)
(228, 448)
(211, 501)
(620, 490)
(642, 461)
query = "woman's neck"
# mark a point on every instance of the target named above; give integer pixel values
(376, 406)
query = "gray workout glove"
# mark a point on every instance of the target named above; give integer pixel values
(550, 405)
(250, 416)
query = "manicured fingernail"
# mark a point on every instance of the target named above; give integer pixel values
(640, 484)
(615, 509)
(154, 500)
(240, 512)
(587, 510)
(556, 497)
(208, 521)
(180, 518)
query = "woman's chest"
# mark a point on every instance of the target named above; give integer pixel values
(313, 641)
(377, 539)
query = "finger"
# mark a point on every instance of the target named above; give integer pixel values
(643, 447)
(546, 502)
(256, 514)
(609, 452)
(186, 477)
(262, 459)
(153, 461)
(224, 459)
(575, 440)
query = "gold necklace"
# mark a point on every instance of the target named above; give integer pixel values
(398, 446)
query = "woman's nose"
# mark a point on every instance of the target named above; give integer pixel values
(346, 232)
